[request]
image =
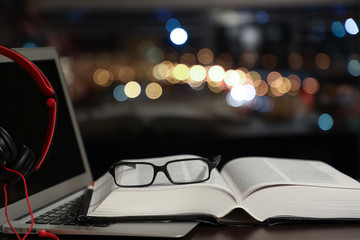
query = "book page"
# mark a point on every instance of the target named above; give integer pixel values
(245, 175)
(101, 189)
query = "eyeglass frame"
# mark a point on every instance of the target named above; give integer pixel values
(163, 168)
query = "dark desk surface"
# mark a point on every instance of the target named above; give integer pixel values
(293, 232)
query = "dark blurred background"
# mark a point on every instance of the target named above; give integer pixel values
(236, 78)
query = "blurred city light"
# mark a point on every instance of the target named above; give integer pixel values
(119, 93)
(216, 73)
(153, 90)
(351, 26)
(262, 17)
(325, 122)
(181, 72)
(178, 36)
(132, 89)
(198, 73)
(205, 56)
(338, 29)
(171, 24)
(354, 67)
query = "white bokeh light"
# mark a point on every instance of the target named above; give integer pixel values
(178, 36)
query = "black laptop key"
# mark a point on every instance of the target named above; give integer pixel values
(65, 214)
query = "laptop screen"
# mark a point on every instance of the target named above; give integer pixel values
(24, 115)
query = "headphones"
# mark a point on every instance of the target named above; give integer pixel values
(22, 158)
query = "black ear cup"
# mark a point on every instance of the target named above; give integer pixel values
(8, 149)
(19, 159)
(24, 164)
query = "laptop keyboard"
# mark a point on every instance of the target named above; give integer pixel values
(66, 214)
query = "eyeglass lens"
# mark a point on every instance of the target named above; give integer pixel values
(132, 174)
(138, 174)
(188, 171)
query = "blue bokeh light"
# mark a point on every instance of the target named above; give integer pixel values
(262, 17)
(325, 122)
(351, 26)
(338, 29)
(119, 93)
(171, 24)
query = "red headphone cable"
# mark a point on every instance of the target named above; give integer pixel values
(41, 233)
(27, 200)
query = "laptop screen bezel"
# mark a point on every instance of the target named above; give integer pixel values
(66, 187)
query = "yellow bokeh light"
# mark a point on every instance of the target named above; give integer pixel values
(242, 75)
(153, 90)
(232, 78)
(216, 73)
(272, 79)
(256, 78)
(162, 70)
(197, 73)
(205, 56)
(132, 89)
(181, 72)
(102, 77)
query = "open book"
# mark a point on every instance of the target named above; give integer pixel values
(264, 188)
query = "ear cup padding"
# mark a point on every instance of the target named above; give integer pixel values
(9, 150)
(23, 164)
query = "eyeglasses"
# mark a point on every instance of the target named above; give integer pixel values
(179, 171)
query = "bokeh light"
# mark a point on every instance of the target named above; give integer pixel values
(171, 24)
(216, 73)
(354, 67)
(244, 92)
(198, 73)
(155, 55)
(232, 78)
(119, 93)
(178, 36)
(338, 29)
(132, 89)
(162, 70)
(153, 90)
(310, 85)
(205, 56)
(295, 61)
(322, 61)
(351, 27)
(325, 122)
(102, 77)
(295, 82)
(181, 72)
(262, 17)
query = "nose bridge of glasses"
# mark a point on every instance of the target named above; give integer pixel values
(162, 169)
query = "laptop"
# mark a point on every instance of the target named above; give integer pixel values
(65, 174)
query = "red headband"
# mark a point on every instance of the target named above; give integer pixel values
(45, 88)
